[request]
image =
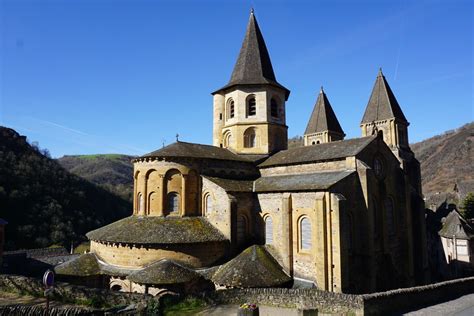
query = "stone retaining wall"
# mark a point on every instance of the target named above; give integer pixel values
(406, 299)
(325, 302)
(68, 293)
(395, 301)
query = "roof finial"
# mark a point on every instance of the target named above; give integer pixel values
(251, 10)
(177, 137)
(380, 71)
(322, 90)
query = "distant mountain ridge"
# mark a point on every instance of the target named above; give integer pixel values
(43, 203)
(113, 172)
(447, 164)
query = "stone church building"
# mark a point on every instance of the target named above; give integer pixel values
(342, 215)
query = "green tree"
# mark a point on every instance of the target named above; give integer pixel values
(467, 206)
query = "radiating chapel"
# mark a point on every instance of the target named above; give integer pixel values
(341, 215)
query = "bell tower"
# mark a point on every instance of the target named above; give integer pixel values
(249, 112)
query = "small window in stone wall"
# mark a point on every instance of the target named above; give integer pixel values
(274, 108)
(141, 203)
(173, 202)
(305, 234)
(208, 202)
(251, 106)
(268, 230)
(390, 217)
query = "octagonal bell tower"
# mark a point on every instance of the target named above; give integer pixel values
(249, 112)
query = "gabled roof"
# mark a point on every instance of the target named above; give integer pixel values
(191, 150)
(382, 103)
(300, 182)
(231, 185)
(163, 272)
(456, 226)
(253, 65)
(323, 117)
(319, 152)
(254, 267)
(157, 230)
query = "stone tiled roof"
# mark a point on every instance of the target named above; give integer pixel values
(300, 182)
(84, 265)
(254, 267)
(232, 185)
(163, 272)
(40, 252)
(253, 66)
(157, 230)
(191, 150)
(319, 152)
(457, 226)
(323, 117)
(382, 103)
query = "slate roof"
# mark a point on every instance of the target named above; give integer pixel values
(319, 152)
(382, 103)
(253, 65)
(254, 267)
(300, 182)
(84, 265)
(323, 117)
(457, 226)
(191, 150)
(232, 185)
(157, 230)
(163, 272)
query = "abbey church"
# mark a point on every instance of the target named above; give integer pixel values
(341, 215)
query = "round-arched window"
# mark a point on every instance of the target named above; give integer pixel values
(250, 138)
(208, 201)
(268, 230)
(251, 106)
(173, 202)
(305, 234)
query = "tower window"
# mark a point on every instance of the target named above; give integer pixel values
(274, 108)
(250, 138)
(251, 106)
(230, 108)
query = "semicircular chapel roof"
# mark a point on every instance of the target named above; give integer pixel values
(164, 272)
(158, 230)
(254, 267)
(192, 150)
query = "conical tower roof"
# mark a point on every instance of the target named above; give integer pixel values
(323, 117)
(382, 103)
(253, 65)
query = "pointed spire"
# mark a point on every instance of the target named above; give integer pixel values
(382, 103)
(323, 117)
(253, 65)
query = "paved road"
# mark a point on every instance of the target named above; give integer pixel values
(463, 306)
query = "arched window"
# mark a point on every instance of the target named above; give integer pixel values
(305, 234)
(173, 202)
(251, 106)
(208, 204)
(141, 203)
(230, 108)
(313, 143)
(274, 108)
(250, 138)
(228, 139)
(268, 230)
(390, 217)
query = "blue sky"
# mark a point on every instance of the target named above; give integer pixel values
(103, 76)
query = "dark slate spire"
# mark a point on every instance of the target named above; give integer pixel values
(253, 65)
(382, 103)
(323, 117)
